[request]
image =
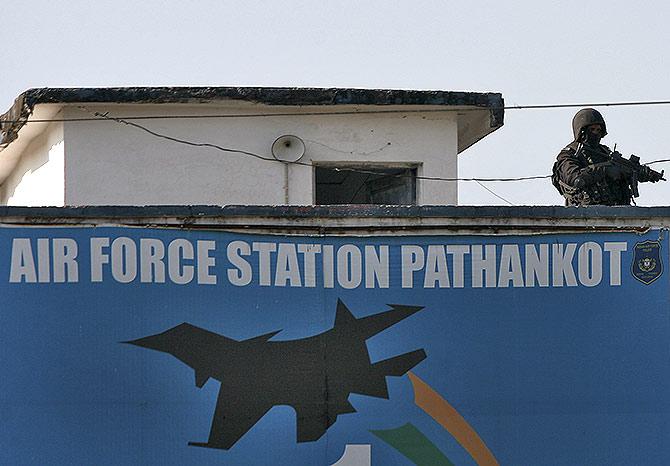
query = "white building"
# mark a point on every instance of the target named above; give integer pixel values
(68, 147)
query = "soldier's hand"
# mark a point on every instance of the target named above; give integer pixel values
(615, 172)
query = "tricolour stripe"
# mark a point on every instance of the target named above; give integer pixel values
(446, 415)
(409, 441)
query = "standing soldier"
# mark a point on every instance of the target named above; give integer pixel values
(589, 173)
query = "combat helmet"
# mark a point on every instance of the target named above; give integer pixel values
(586, 117)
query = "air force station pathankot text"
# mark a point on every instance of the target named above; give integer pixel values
(288, 264)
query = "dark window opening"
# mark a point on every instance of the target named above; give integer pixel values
(365, 185)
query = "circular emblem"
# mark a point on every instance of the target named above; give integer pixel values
(647, 264)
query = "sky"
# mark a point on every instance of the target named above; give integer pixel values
(533, 53)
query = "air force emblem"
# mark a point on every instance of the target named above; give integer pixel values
(647, 265)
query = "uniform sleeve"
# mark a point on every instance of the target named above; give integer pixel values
(571, 172)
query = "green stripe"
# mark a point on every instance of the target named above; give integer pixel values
(409, 441)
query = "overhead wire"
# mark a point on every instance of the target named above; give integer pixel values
(106, 116)
(348, 169)
(126, 120)
(494, 193)
(272, 159)
(352, 112)
(657, 161)
(183, 141)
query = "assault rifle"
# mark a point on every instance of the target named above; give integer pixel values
(632, 168)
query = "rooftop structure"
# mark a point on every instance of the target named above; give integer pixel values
(213, 145)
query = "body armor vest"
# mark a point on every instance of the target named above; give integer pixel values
(603, 192)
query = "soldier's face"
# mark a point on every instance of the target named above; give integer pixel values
(596, 130)
(594, 134)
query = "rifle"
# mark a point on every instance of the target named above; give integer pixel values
(634, 170)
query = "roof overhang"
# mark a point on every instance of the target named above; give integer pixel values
(478, 114)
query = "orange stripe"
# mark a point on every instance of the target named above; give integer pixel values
(439, 409)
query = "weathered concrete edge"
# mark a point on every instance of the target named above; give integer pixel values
(345, 216)
(338, 211)
(265, 95)
(14, 119)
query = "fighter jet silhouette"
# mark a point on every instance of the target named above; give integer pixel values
(314, 375)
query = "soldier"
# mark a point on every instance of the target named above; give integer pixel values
(584, 172)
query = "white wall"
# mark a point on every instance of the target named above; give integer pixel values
(38, 177)
(112, 163)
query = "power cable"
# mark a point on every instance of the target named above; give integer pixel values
(600, 104)
(355, 112)
(271, 159)
(349, 169)
(125, 120)
(105, 116)
(183, 141)
(657, 161)
(495, 194)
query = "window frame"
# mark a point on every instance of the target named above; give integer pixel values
(368, 166)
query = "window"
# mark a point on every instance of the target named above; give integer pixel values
(365, 184)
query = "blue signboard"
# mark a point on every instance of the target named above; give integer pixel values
(166, 346)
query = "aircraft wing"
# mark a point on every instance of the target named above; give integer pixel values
(236, 412)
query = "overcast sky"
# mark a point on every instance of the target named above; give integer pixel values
(531, 52)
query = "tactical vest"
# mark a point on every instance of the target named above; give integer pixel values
(603, 192)
(600, 193)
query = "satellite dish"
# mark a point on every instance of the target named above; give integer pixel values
(288, 148)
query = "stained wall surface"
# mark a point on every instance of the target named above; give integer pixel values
(111, 163)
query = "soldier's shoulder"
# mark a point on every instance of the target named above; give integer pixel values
(572, 147)
(568, 151)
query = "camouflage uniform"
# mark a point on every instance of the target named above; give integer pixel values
(581, 176)
(583, 173)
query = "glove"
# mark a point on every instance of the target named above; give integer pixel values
(614, 171)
